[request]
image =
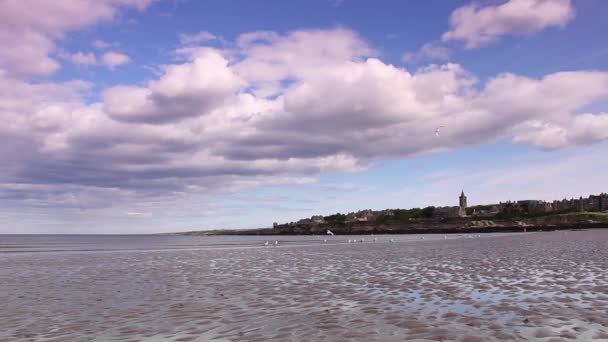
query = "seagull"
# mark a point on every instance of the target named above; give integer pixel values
(329, 232)
(266, 243)
(437, 130)
(392, 240)
(276, 242)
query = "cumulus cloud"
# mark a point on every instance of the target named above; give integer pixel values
(428, 52)
(29, 28)
(477, 25)
(186, 90)
(584, 129)
(268, 58)
(209, 124)
(112, 59)
(82, 58)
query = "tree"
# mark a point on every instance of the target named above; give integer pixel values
(336, 219)
(427, 212)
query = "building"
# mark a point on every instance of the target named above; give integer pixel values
(534, 206)
(596, 202)
(318, 219)
(564, 204)
(365, 215)
(390, 212)
(603, 202)
(462, 207)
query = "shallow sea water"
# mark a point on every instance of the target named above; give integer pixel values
(550, 286)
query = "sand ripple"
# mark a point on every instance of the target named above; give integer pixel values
(541, 287)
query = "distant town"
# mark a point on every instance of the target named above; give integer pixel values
(509, 216)
(502, 210)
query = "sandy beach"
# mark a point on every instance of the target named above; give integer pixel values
(550, 286)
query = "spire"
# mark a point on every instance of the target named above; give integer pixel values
(462, 192)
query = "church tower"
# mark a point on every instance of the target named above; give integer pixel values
(463, 200)
(462, 210)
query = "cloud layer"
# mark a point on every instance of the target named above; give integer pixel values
(273, 109)
(476, 25)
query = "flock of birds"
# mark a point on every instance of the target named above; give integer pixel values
(267, 243)
(362, 240)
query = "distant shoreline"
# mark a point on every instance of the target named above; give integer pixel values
(465, 225)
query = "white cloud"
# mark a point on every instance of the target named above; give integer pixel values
(26, 53)
(270, 57)
(29, 28)
(476, 25)
(81, 58)
(186, 90)
(208, 125)
(112, 59)
(583, 129)
(194, 38)
(428, 52)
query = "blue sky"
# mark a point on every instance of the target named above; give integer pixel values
(394, 27)
(141, 116)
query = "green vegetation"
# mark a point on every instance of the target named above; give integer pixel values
(382, 219)
(483, 207)
(599, 217)
(336, 219)
(406, 215)
(403, 215)
(427, 212)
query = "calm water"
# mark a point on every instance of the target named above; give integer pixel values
(100, 243)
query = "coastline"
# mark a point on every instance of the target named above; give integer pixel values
(463, 225)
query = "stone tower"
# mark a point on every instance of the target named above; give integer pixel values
(462, 210)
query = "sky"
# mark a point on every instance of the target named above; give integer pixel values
(144, 116)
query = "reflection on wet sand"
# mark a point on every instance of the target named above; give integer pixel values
(540, 286)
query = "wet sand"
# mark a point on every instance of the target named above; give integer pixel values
(549, 287)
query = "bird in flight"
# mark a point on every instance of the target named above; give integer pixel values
(437, 130)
